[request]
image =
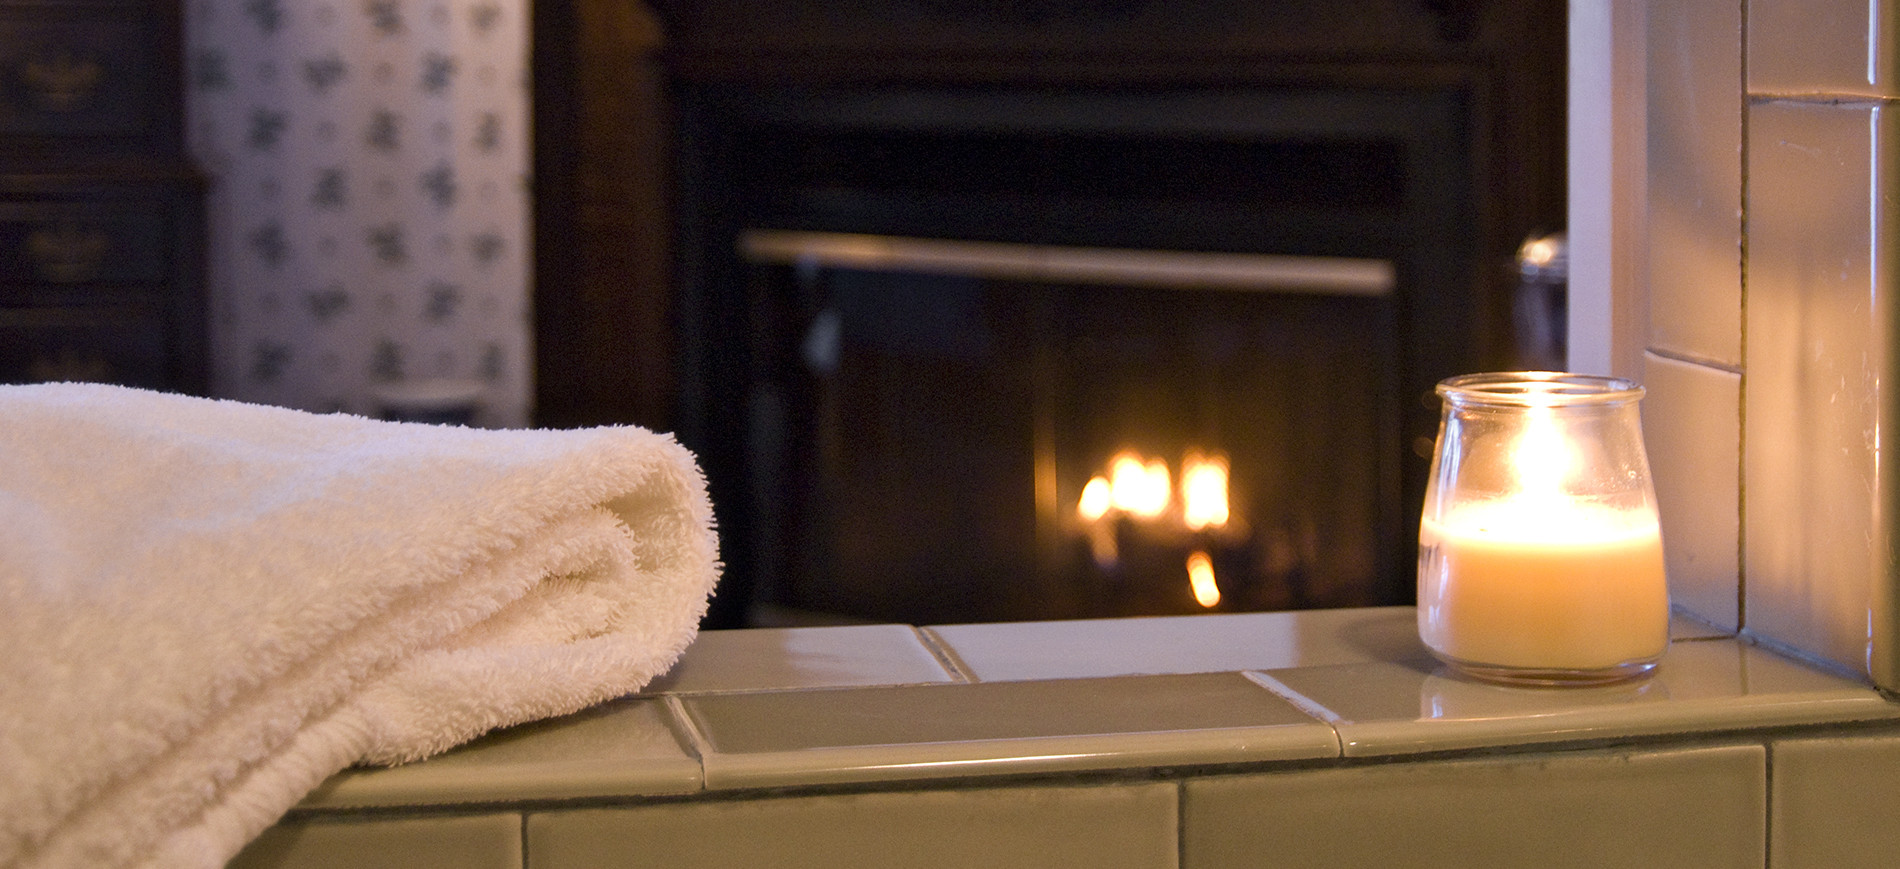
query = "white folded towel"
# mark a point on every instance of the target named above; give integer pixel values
(207, 607)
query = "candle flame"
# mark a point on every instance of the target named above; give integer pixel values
(1541, 457)
(1200, 570)
(1203, 491)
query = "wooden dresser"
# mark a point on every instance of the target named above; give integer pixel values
(101, 263)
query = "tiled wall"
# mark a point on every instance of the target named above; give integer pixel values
(1702, 806)
(1766, 250)
(1174, 742)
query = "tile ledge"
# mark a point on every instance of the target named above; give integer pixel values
(1376, 706)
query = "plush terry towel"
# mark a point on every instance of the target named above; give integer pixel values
(207, 607)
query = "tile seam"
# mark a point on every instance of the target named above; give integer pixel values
(1767, 802)
(685, 726)
(1741, 386)
(523, 816)
(1817, 98)
(1693, 359)
(946, 656)
(1303, 703)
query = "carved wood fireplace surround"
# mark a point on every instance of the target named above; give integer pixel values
(908, 275)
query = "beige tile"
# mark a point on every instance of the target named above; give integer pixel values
(822, 657)
(622, 748)
(1694, 255)
(490, 841)
(1820, 320)
(1692, 426)
(1181, 644)
(1003, 828)
(1844, 47)
(1688, 808)
(992, 728)
(1702, 685)
(1834, 801)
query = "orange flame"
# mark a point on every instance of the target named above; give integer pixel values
(1200, 570)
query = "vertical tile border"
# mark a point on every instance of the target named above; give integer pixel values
(1692, 422)
(1694, 180)
(1817, 541)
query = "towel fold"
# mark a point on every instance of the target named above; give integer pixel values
(209, 607)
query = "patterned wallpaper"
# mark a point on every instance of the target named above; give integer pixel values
(369, 207)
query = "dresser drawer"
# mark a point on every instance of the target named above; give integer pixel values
(128, 346)
(82, 69)
(56, 245)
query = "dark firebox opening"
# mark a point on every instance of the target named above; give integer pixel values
(911, 442)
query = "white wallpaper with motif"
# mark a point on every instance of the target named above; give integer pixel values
(369, 206)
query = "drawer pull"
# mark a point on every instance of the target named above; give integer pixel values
(62, 82)
(67, 253)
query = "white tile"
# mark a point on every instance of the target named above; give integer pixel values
(771, 659)
(1833, 802)
(1696, 807)
(467, 842)
(1840, 47)
(1820, 322)
(1694, 251)
(1083, 648)
(1113, 826)
(626, 747)
(1692, 428)
(1391, 709)
(911, 733)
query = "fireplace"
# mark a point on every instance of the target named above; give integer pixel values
(1036, 345)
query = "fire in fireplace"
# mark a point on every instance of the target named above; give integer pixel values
(1045, 348)
(1017, 430)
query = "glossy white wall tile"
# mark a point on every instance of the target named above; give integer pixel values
(1833, 802)
(1130, 826)
(491, 841)
(1692, 429)
(1819, 322)
(1692, 807)
(1694, 257)
(1841, 47)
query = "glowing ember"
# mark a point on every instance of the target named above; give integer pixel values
(1200, 570)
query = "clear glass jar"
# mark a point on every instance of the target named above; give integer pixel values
(1540, 556)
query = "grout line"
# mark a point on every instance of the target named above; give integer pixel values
(1692, 359)
(945, 655)
(524, 840)
(1741, 388)
(1303, 703)
(684, 726)
(1767, 802)
(1813, 660)
(1817, 98)
(1180, 823)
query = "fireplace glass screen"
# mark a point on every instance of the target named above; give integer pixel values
(972, 355)
(1013, 431)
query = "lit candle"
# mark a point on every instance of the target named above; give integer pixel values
(1538, 584)
(1540, 554)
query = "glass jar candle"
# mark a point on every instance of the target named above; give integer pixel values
(1540, 555)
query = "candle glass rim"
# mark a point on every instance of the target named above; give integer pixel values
(1538, 389)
